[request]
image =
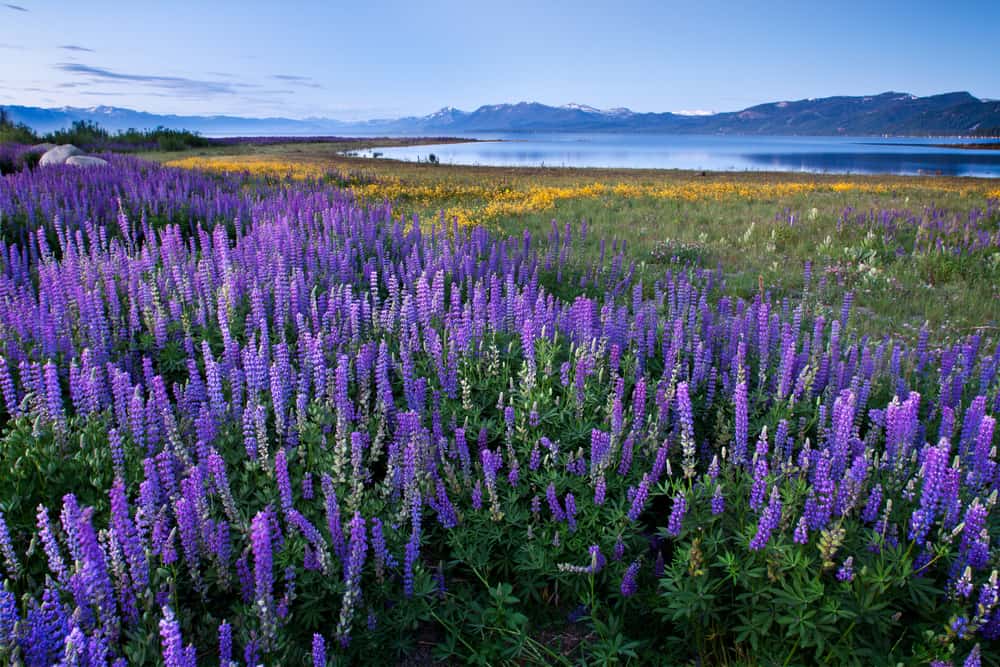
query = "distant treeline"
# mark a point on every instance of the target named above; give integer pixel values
(987, 132)
(91, 137)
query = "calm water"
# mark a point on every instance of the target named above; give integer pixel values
(840, 155)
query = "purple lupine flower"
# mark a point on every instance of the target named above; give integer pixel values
(973, 659)
(225, 644)
(357, 549)
(53, 396)
(760, 473)
(7, 549)
(989, 595)
(536, 458)
(217, 468)
(639, 403)
(171, 641)
(639, 501)
(801, 534)
(570, 502)
(625, 464)
(8, 390)
(677, 512)
(284, 482)
(873, 506)
(409, 560)
(8, 618)
(380, 551)
(769, 520)
(491, 464)
(617, 416)
(126, 534)
(250, 443)
(477, 496)
(47, 626)
(843, 428)
(619, 550)
(251, 651)
(554, 505)
(629, 586)
(983, 465)
(742, 425)
(963, 586)
(819, 505)
(318, 650)
(600, 447)
(117, 452)
(307, 486)
(600, 489)
(311, 535)
(846, 571)
(333, 517)
(188, 527)
(687, 429)
(514, 475)
(445, 510)
(260, 535)
(342, 400)
(974, 524)
(933, 471)
(659, 463)
(718, 501)
(462, 447)
(359, 442)
(508, 417)
(93, 569)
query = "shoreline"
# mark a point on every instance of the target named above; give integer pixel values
(336, 153)
(990, 146)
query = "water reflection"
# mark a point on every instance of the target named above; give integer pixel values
(724, 153)
(968, 163)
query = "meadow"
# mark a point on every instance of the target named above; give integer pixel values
(275, 405)
(869, 234)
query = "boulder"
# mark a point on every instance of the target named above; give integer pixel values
(59, 155)
(86, 161)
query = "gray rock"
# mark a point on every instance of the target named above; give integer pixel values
(86, 161)
(59, 155)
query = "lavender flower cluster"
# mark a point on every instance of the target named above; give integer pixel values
(432, 379)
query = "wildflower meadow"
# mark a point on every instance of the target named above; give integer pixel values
(249, 419)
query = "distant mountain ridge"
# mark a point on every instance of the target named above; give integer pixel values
(891, 113)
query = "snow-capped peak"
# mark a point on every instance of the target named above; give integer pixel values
(618, 111)
(444, 112)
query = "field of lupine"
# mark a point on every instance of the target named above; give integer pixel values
(250, 420)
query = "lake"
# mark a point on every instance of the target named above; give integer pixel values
(834, 155)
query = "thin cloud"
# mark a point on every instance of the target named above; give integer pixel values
(74, 47)
(12, 47)
(175, 84)
(297, 80)
(16, 8)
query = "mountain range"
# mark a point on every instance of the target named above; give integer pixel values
(891, 113)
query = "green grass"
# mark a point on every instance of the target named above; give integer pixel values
(892, 294)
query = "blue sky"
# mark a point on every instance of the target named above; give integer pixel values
(386, 59)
